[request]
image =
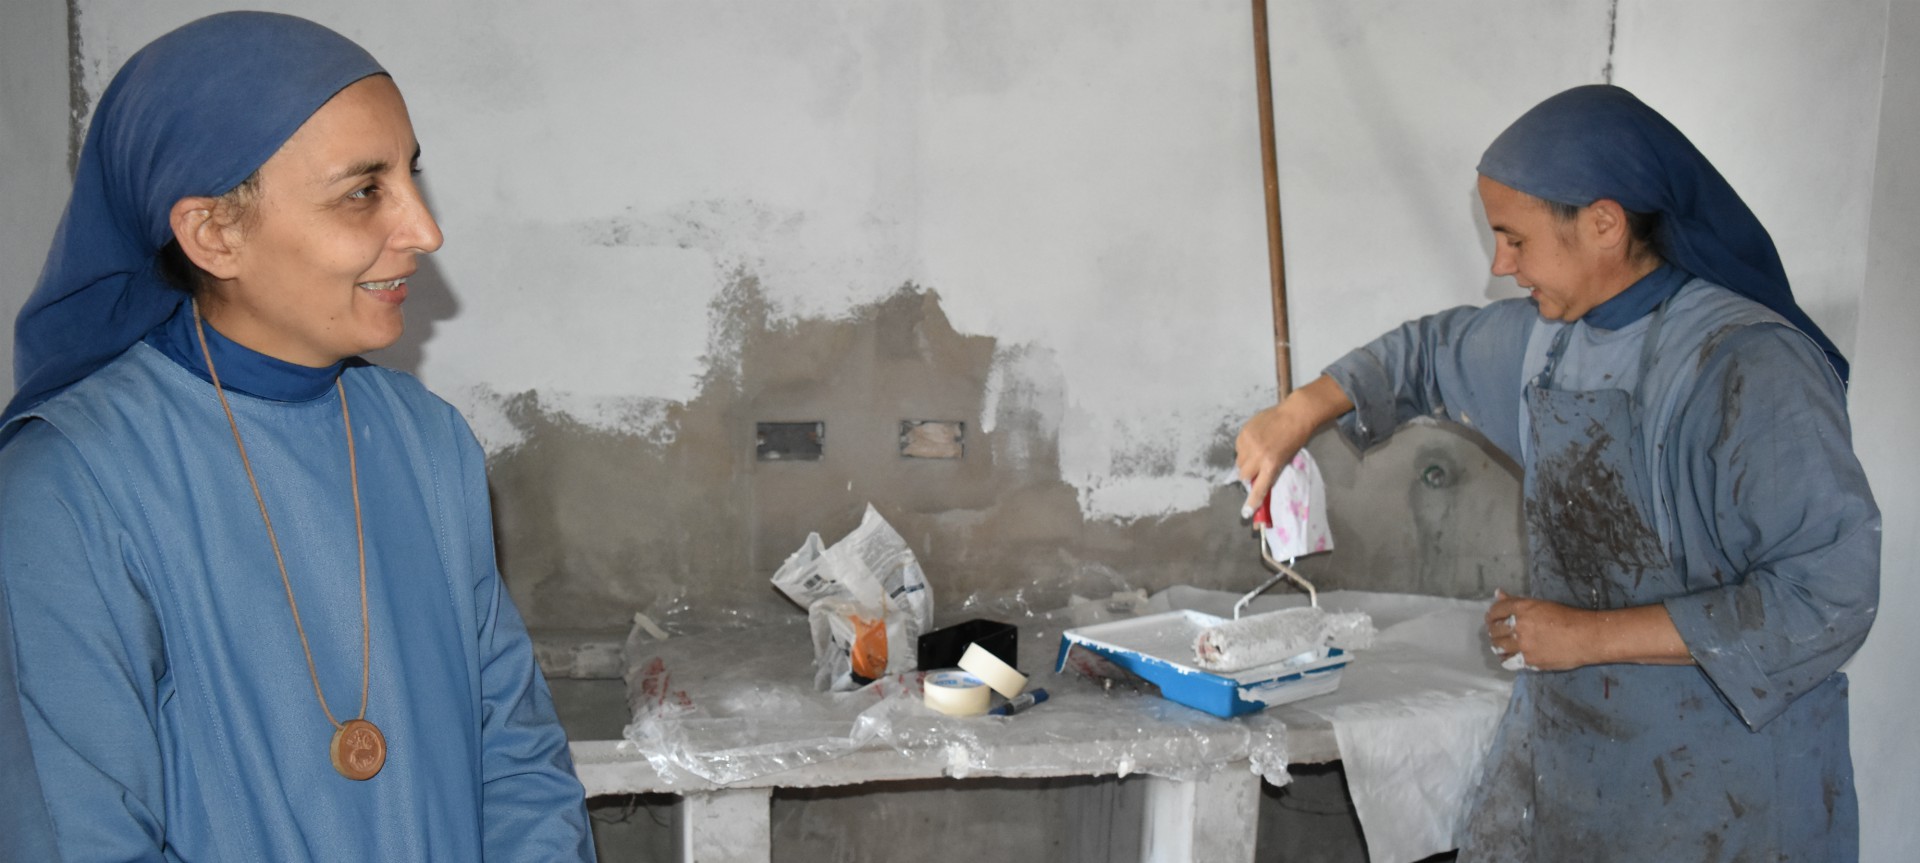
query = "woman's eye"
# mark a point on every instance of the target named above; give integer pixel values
(363, 192)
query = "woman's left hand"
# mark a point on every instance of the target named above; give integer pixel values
(1552, 637)
(1556, 637)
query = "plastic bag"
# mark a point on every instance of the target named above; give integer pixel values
(867, 603)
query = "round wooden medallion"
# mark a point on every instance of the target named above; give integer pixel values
(358, 750)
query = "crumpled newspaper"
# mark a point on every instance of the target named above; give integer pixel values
(867, 603)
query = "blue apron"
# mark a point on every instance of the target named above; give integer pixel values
(1636, 762)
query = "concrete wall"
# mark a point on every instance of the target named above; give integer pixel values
(33, 138)
(669, 221)
(1885, 414)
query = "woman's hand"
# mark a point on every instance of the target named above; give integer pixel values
(1551, 636)
(1268, 441)
(1557, 637)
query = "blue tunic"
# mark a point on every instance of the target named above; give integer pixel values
(165, 693)
(1720, 482)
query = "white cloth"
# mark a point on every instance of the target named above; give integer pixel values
(1298, 505)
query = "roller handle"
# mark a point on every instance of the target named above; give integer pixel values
(1262, 514)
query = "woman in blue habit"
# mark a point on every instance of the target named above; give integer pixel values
(251, 607)
(1703, 550)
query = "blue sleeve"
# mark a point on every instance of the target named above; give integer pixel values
(1463, 364)
(1766, 441)
(88, 651)
(25, 831)
(534, 808)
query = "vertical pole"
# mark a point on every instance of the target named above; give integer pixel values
(1269, 164)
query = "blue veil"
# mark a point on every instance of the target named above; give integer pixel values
(1599, 141)
(195, 112)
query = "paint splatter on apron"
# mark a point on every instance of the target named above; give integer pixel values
(1635, 762)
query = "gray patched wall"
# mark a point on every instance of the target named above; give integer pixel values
(688, 521)
(34, 125)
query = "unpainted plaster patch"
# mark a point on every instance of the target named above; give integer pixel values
(673, 515)
(595, 523)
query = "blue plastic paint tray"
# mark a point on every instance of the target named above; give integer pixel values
(1155, 653)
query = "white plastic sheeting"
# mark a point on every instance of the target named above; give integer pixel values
(1412, 717)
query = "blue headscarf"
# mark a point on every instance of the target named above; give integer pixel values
(194, 113)
(1598, 141)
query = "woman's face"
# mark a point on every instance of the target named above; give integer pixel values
(1549, 258)
(322, 255)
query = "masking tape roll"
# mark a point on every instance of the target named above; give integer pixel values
(956, 693)
(981, 663)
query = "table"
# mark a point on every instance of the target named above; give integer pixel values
(724, 755)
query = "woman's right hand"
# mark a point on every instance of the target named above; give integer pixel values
(1269, 440)
(1266, 444)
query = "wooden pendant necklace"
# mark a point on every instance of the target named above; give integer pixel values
(358, 749)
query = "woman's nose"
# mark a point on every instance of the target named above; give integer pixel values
(417, 231)
(1503, 261)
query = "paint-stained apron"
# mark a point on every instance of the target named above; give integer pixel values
(1639, 762)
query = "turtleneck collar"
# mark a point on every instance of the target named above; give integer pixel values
(1637, 300)
(242, 369)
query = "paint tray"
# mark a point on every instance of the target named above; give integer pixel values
(1155, 653)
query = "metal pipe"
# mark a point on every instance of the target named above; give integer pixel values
(1270, 167)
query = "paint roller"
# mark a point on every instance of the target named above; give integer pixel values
(1277, 636)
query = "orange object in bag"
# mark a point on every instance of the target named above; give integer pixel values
(869, 651)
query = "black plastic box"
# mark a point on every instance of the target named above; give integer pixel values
(942, 648)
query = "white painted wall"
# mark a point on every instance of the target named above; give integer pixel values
(33, 139)
(1784, 97)
(1080, 175)
(1885, 414)
(1061, 173)
(1382, 109)
(1090, 183)
(1385, 107)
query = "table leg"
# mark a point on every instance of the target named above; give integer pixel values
(1209, 820)
(728, 826)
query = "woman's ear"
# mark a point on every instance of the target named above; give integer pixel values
(209, 240)
(1609, 222)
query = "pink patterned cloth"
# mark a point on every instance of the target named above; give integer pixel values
(1298, 505)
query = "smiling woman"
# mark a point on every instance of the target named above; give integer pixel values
(313, 270)
(296, 646)
(1568, 265)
